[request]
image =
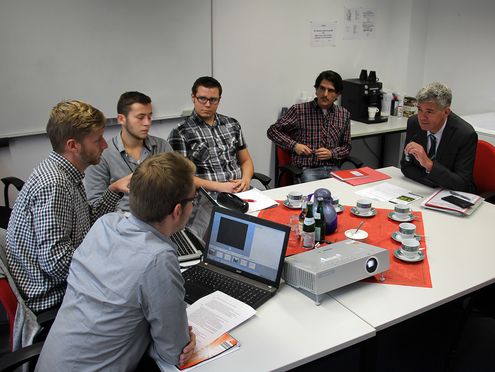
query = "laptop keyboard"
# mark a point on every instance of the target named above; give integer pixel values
(184, 248)
(200, 282)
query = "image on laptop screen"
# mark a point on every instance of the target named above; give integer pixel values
(248, 244)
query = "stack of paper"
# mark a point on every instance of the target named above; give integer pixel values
(211, 317)
(436, 201)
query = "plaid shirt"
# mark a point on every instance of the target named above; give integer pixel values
(213, 148)
(51, 216)
(306, 123)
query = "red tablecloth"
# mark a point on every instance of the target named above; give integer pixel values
(379, 229)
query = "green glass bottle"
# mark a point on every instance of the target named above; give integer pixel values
(320, 225)
(308, 231)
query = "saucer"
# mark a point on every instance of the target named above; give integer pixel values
(396, 236)
(286, 203)
(338, 208)
(371, 213)
(408, 218)
(419, 257)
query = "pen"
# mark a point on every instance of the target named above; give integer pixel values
(249, 200)
(460, 196)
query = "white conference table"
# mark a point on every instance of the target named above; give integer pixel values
(290, 330)
(460, 252)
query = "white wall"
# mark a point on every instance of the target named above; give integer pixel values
(460, 51)
(262, 57)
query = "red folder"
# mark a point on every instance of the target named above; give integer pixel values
(352, 177)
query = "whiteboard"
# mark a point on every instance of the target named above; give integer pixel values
(94, 50)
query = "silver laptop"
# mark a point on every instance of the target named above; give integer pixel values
(191, 240)
(244, 258)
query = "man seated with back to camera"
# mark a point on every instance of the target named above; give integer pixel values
(125, 291)
(214, 142)
(316, 133)
(440, 146)
(127, 149)
(51, 215)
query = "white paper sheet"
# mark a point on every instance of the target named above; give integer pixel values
(257, 201)
(215, 314)
(388, 192)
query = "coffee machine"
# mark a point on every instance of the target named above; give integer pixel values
(362, 93)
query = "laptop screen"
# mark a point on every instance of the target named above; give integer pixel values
(199, 221)
(247, 244)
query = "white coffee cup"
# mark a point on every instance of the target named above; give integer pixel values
(363, 206)
(294, 198)
(402, 210)
(372, 111)
(410, 247)
(407, 230)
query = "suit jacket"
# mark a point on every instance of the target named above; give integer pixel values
(454, 161)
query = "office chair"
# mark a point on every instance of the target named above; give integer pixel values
(263, 179)
(484, 178)
(12, 361)
(286, 174)
(30, 328)
(5, 211)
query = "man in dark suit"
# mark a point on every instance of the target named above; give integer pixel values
(440, 146)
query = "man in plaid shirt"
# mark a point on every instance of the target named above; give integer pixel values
(316, 133)
(51, 215)
(213, 142)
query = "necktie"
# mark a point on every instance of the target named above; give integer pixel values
(433, 146)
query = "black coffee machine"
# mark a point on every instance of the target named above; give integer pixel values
(361, 93)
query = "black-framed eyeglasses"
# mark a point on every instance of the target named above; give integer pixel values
(193, 200)
(212, 100)
(322, 89)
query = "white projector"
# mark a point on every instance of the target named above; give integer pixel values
(324, 269)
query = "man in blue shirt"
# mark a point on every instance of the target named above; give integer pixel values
(125, 291)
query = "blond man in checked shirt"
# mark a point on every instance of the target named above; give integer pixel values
(51, 215)
(317, 134)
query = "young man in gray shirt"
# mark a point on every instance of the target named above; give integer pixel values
(127, 149)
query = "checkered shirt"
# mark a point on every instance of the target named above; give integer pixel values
(50, 218)
(213, 148)
(306, 123)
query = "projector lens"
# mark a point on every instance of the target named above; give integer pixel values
(371, 265)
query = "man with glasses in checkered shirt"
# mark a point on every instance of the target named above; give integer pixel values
(213, 142)
(316, 133)
(51, 215)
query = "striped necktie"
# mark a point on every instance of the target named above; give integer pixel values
(433, 146)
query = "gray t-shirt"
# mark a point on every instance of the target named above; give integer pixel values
(115, 164)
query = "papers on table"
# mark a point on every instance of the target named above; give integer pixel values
(387, 192)
(211, 317)
(436, 202)
(215, 314)
(257, 201)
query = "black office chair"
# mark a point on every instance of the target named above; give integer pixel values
(11, 361)
(6, 210)
(287, 174)
(263, 179)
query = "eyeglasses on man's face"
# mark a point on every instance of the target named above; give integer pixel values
(321, 89)
(212, 100)
(193, 200)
